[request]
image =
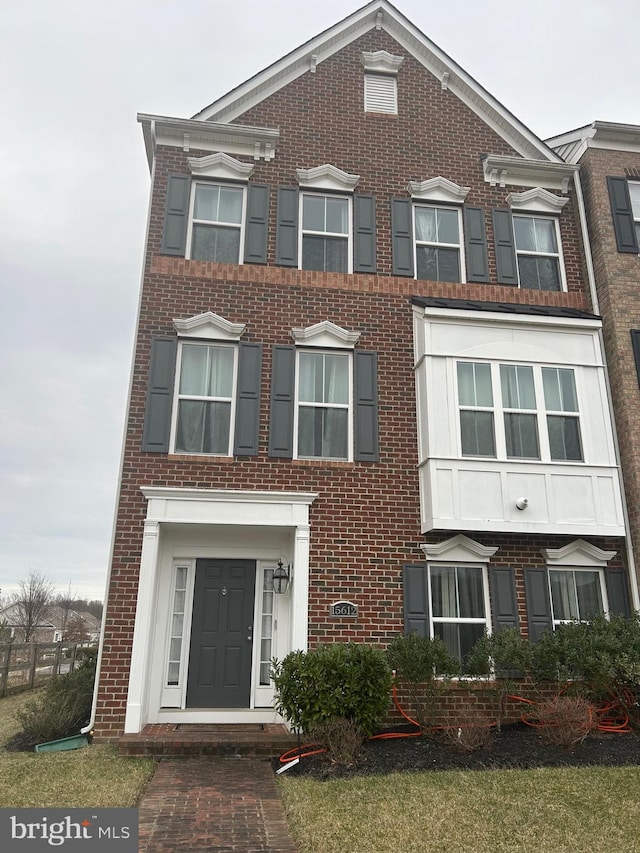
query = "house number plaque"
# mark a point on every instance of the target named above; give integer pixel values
(343, 608)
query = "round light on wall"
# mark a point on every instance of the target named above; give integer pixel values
(522, 503)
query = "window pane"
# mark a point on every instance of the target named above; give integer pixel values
(176, 624)
(215, 243)
(588, 593)
(206, 203)
(474, 384)
(336, 379)
(634, 194)
(524, 233)
(559, 389)
(443, 592)
(563, 596)
(322, 433)
(220, 371)
(337, 215)
(310, 381)
(313, 213)
(435, 264)
(181, 577)
(539, 273)
(551, 384)
(459, 639)
(564, 438)
(230, 209)
(521, 433)
(545, 236)
(203, 427)
(323, 378)
(470, 592)
(173, 673)
(175, 648)
(448, 226)
(193, 370)
(327, 254)
(568, 390)
(426, 229)
(517, 386)
(477, 433)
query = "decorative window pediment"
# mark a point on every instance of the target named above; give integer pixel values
(220, 166)
(209, 326)
(325, 334)
(458, 549)
(578, 553)
(381, 62)
(536, 200)
(327, 177)
(438, 189)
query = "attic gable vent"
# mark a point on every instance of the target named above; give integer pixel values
(380, 94)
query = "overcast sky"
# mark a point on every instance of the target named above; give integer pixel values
(73, 202)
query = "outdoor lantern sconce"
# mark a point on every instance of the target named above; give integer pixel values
(281, 578)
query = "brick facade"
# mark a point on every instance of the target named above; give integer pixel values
(365, 522)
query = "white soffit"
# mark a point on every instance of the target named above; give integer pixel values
(458, 549)
(325, 334)
(500, 170)
(380, 14)
(536, 201)
(327, 177)
(578, 553)
(220, 166)
(209, 326)
(438, 189)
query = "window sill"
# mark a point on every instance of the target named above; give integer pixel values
(322, 463)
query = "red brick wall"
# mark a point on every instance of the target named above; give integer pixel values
(365, 522)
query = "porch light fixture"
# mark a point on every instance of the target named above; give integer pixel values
(281, 578)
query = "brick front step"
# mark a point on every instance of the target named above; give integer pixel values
(171, 740)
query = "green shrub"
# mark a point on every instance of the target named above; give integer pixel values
(62, 707)
(348, 680)
(423, 667)
(505, 655)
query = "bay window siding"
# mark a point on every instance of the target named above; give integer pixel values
(203, 398)
(510, 405)
(216, 221)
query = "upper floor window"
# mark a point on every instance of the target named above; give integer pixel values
(204, 399)
(537, 251)
(516, 435)
(325, 233)
(216, 223)
(437, 233)
(324, 405)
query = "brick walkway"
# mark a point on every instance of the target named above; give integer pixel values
(217, 805)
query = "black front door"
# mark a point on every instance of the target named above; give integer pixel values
(221, 634)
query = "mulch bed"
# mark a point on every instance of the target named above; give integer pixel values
(516, 746)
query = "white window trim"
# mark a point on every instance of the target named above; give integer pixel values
(540, 411)
(176, 396)
(240, 227)
(349, 406)
(459, 246)
(348, 237)
(559, 255)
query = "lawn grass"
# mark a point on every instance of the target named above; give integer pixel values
(494, 811)
(94, 776)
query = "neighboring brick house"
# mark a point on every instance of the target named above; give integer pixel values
(609, 158)
(366, 359)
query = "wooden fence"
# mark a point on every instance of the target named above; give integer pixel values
(24, 666)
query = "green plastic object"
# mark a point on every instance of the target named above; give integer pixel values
(74, 742)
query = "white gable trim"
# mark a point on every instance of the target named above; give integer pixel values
(210, 326)
(220, 166)
(382, 15)
(537, 201)
(578, 553)
(458, 549)
(325, 334)
(438, 189)
(327, 177)
(381, 62)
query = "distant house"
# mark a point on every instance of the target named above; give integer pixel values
(54, 626)
(369, 393)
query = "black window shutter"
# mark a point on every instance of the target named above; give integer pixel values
(538, 604)
(366, 406)
(245, 442)
(174, 234)
(402, 237)
(157, 412)
(257, 224)
(622, 213)
(504, 603)
(364, 217)
(287, 227)
(617, 592)
(475, 233)
(506, 264)
(416, 599)
(282, 402)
